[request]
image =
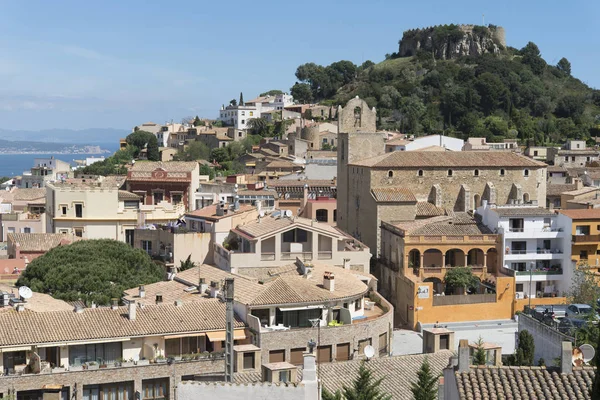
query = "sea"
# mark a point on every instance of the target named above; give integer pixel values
(14, 164)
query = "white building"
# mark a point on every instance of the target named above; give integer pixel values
(238, 115)
(447, 142)
(45, 170)
(537, 248)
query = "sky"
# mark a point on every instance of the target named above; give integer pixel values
(114, 63)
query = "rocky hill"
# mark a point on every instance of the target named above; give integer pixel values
(453, 41)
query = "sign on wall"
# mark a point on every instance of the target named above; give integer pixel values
(423, 292)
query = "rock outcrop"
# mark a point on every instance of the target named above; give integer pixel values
(453, 41)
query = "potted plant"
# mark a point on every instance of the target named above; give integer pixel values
(127, 363)
(160, 359)
(177, 358)
(92, 365)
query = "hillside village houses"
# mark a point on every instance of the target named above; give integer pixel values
(239, 114)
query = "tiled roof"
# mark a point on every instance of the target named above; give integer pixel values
(269, 225)
(580, 152)
(169, 166)
(125, 195)
(108, 182)
(558, 189)
(592, 213)
(257, 193)
(398, 373)
(485, 383)
(523, 211)
(393, 194)
(39, 241)
(210, 212)
(459, 224)
(17, 328)
(282, 164)
(39, 302)
(427, 209)
(583, 190)
(556, 168)
(449, 159)
(301, 183)
(29, 194)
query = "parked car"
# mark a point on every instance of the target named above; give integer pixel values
(581, 310)
(558, 311)
(569, 325)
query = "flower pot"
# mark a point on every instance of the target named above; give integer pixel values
(93, 366)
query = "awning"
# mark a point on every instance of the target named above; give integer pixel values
(184, 335)
(300, 308)
(21, 348)
(219, 336)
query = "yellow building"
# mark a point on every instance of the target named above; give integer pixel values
(585, 228)
(416, 256)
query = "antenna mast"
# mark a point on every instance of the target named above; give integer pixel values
(229, 330)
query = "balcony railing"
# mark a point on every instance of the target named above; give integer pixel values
(325, 255)
(539, 272)
(585, 238)
(305, 255)
(267, 257)
(464, 299)
(538, 251)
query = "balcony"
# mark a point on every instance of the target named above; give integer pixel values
(464, 299)
(539, 254)
(544, 233)
(304, 255)
(579, 239)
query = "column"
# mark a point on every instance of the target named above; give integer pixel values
(443, 260)
(278, 246)
(484, 261)
(315, 245)
(466, 259)
(137, 386)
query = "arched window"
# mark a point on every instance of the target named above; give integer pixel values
(449, 172)
(502, 172)
(357, 116)
(420, 172)
(476, 172)
(390, 174)
(526, 172)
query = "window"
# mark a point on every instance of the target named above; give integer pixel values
(63, 210)
(251, 113)
(243, 113)
(334, 215)
(526, 172)
(102, 353)
(27, 230)
(476, 172)
(79, 210)
(147, 246)
(78, 232)
(132, 204)
(583, 255)
(362, 344)
(390, 174)
(243, 121)
(358, 305)
(535, 153)
(157, 197)
(582, 230)
(239, 134)
(321, 215)
(444, 342)
(154, 389)
(176, 198)
(449, 172)
(573, 159)
(567, 158)
(519, 287)
(502, 172)
(249, 360)
(298, 318)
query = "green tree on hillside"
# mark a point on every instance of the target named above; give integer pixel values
(241, 102)
(302, 93)
(152, 150)
(139, 140)
(426, 386)
(564, 66)
(525, 349)
(90, 270)
(193, 151)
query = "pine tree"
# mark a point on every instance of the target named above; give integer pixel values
(241, 103)
(152, 149)
(525, 349)
(365, 387)
(479, 358)
(327, 395)
(426, 386)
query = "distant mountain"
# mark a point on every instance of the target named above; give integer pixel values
(71, 136)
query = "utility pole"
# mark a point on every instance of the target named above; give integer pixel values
(229, 330)
(316, 323)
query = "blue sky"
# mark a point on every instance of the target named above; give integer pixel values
(116, 63)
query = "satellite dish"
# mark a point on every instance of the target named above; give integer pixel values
(288, 213)
(588, 352)
(25, 292)
(369, 351)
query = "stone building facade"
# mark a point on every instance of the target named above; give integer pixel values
(374, 186)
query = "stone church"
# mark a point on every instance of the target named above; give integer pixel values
(374, 186)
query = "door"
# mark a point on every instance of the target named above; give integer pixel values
(276, 356)
(324, 354)
(342, 352)
(444, 342)
(129, 236)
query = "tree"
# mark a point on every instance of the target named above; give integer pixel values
(90, 270)
(327, 395)
(219, 155)
(365, 387)
(425, 388)
(233, 102)
(302, 93)
(258, 126)
(152, 150)
(139, 140)
(479, 357)
(570, 106)
(206, 170)
(584, 288)
(198, 122)
(491, 89)
(273, 92)
(193, 151)
(241, 102)
(187, 264)
(525, 349)
(564, 66)
(533, 58)
(460, 278)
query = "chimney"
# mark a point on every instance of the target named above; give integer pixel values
(346, 263)
(21, 307)
(78, 309)
(142, 291)
(309, 376)
(131, 309)
(220, 208)
(464, 359)
(329, 281)
(578, 183)
(158, 299)
(114, 304)
(202, 286)
(566, 358)
(214, 289)
(178, 303)
(236, 203)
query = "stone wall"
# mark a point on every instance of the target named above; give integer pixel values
(135, 374)
(228, 391)
(548, 341)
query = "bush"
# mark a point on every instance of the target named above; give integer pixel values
(90, 270)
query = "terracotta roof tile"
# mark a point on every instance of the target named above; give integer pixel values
(17, 328)
(427, 209)
(39, 241)
(592, 213)
(523, 211)
(125, 195)
(210, 212)
(29, 194)
(169, 166)
(459, 224)
(449, 159)
(393, 195)
(558, 189)
(487, 383)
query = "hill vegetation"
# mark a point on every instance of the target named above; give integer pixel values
(508, 94)
(90, 270)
